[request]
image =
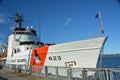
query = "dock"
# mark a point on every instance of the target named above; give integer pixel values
(10, 75)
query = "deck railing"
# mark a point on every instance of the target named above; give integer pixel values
(70, 73)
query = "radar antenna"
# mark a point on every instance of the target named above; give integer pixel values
(18, 20)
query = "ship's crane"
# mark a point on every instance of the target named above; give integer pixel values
(4, 49)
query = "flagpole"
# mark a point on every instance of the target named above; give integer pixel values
(101, 24)
(102, 34)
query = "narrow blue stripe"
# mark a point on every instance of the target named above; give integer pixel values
(28, 59)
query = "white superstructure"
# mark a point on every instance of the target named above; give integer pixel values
(21, 40)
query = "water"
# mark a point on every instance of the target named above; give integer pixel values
(111, 61)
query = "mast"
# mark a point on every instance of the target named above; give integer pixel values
(18, 20)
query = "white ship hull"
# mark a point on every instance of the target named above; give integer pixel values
(82, 54)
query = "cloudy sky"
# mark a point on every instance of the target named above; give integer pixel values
(60, 21)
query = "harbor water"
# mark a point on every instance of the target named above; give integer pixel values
(111, 61)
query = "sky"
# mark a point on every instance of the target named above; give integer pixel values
(61, 21)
